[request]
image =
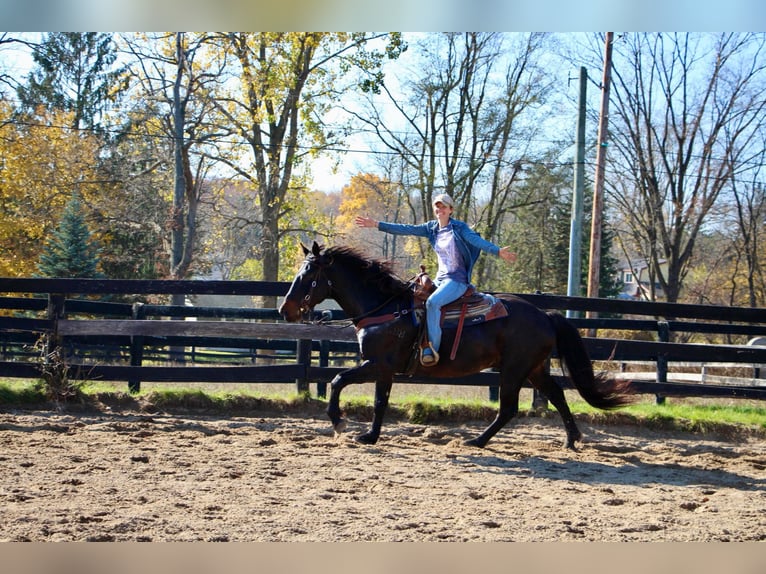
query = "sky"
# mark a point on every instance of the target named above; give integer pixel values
(399, 15)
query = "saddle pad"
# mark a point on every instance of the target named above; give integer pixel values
(480, 308)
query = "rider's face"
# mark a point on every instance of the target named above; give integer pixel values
(442, 211)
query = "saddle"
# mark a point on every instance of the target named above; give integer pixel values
(473, 307)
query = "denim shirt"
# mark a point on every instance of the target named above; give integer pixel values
(470, 243)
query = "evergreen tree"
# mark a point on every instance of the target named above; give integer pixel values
(74, 72)
(70, 251)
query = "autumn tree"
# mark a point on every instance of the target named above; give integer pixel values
(368, 193)
(44, 163)
(284, 85)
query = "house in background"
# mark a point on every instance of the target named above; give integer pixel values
(635, 280)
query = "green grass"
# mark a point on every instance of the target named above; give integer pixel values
(20, 393)
(728, 417)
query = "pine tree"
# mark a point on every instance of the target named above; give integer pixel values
(70, 251)
(75, 72)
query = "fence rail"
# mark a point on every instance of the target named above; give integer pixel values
(125, 340)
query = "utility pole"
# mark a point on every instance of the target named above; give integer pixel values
(575, 230)
(598, 187)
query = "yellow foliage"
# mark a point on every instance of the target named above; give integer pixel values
(43, 164)
(368, 195)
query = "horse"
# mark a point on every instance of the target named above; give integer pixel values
(383, 309)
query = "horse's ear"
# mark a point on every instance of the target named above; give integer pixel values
(305, 249)
(316, 248)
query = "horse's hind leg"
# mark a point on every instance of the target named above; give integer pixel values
(543, 382)
(510, 386)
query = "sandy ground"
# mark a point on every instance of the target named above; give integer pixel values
(132, 476)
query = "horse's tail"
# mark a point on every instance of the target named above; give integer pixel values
(599, 390)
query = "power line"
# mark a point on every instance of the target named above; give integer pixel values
(167, 137)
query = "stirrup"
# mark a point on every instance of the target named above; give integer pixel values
(428, 356)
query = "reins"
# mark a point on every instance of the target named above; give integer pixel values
(365, 319)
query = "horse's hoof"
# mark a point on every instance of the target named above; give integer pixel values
(571, 445)
(339, 428)
(571, 442)
(474, 442)
(367, 438)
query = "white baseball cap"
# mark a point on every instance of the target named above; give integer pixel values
(443, 198)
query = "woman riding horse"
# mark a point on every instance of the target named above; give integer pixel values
(457, 248)
(382, 306)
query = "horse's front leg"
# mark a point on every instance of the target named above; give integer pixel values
(382, 392)
(364, 373)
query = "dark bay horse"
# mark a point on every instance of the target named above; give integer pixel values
(381, 307)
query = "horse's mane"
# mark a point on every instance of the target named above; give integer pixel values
(377, 271)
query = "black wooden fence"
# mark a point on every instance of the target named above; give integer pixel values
(134, 340)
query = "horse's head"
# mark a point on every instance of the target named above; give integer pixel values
(310, 286)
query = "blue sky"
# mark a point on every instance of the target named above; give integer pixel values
(400, 15)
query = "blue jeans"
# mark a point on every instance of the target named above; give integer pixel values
(446, 292)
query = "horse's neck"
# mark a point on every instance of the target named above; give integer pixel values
(358, 298)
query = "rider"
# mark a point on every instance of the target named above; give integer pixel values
(457, 248)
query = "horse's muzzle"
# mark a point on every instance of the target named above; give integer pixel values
(291, 311)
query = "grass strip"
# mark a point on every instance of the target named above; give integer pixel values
(731, 420)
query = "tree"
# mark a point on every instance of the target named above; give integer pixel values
(285, 83)
(463, 124)
(42, 165)
(70, 252)
(74, 72)
(176, 76)
(368, 193)
(748, 194)
(750, 203)
(539, 233)
(673, 96)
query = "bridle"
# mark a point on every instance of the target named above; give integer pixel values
(365, 318)
(306, 305)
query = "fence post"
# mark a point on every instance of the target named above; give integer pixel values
(539, 400)
(324, 361)
(53, 341)
(663, 331)
(494, 390)
(138, 312)
(303, 355)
